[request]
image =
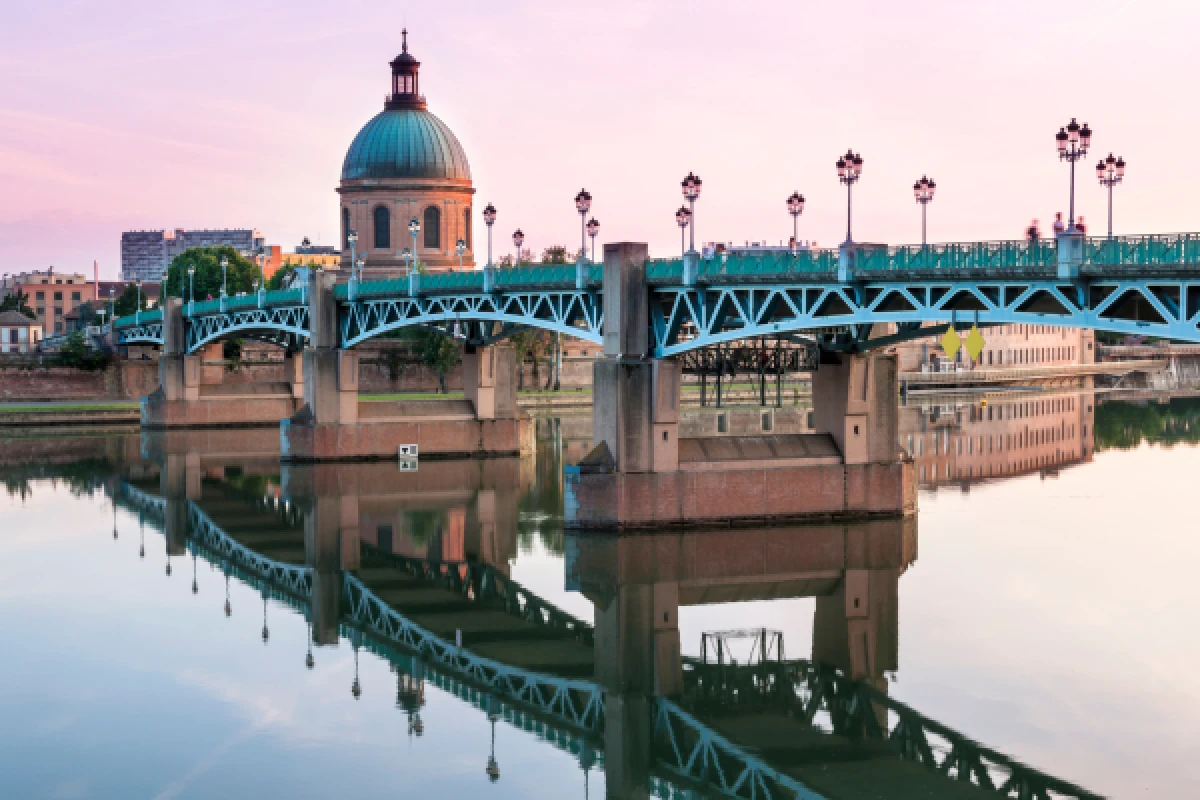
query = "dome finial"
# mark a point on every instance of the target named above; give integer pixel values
(404, 40)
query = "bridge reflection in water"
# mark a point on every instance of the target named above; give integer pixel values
(413, 566)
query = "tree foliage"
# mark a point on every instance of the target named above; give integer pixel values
(439, 353)
(76, 353)
(127, 303)
(281, 276)
(17, 301)
(207, 263)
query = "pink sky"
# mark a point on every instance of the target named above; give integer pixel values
(129, 114)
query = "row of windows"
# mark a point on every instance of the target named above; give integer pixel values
(996, 443)
(1025, 330)
(1004, 469)
(58, 296)
(431, 228)
(1031, 355)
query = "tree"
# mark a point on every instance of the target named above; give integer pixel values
(281, 276)
(76, 353)
(439, 353)
(555, 254)
(87, 313)
(127, 303)
(207, 263)
(17, 301)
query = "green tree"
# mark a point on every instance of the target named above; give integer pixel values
(281, 276)
(207, 263)
(17, 301)
(76, 353)
(127, 303)
(556, 254)
(439, 353)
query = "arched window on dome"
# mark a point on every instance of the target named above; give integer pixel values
(433, 228)
(345, 228)
(383, 228)
(467, 227)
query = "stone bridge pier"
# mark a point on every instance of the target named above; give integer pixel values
(332, 425)
(193, 395)
(640, 474)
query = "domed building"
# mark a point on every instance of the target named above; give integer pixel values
(406, 164)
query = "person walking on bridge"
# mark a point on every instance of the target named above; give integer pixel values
(1059, 226)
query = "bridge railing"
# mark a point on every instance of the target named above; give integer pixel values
(1167, 248)
(1005, 254)
(142, 318)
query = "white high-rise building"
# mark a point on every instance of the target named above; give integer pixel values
(145, 255)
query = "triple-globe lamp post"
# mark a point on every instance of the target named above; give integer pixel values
(1110, 171)
(224, 276)
(593, 228)
(682, 218)
(691, 190)
(923, 191)
(460, 247)
(795, 207)
(518, 241)
(1073, 141)
(414, 227)
(489, 219)
(849, 169)
(583, 204)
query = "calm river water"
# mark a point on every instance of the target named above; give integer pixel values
(1043, 604)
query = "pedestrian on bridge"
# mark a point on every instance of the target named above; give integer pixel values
(1059, 226)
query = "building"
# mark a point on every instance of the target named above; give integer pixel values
(145, 255)
(406, 164)
(1005, 346)
(51, 295)
(18, 333)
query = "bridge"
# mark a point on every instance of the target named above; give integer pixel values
(618, 696)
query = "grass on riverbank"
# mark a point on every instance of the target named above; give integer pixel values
(60, 408)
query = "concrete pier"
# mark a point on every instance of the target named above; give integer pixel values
(641, 474)
(191, 395)
(333, 426)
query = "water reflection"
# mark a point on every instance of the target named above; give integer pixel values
(415, 568)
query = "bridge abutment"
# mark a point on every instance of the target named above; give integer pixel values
(192, 395)
(333, 425)
(642, 475)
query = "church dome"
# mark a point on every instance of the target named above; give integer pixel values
(405, 142)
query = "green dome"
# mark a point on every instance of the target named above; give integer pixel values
(405, 143)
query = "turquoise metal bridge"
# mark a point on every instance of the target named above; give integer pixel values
(1146, 285)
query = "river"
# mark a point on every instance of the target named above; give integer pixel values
(1042, 603)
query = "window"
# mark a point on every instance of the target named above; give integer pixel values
(58, 327)
(346, 228)
(58, 297)
(41, 312)
(433, 228)
(383, 228)
(467, 227)
(41, 296)
(75, 297)
(12, 335)
(723, 423)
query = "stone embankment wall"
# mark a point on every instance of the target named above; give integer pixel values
(1182, 372)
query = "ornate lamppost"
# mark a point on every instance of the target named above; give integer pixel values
(691, 190)
(849, 169)
(682, 218)
(1073, 142)
(795, 207)
(1110, 171)
(923, 191)
(224, 276)
(489, 219)
(518, 240)
(460, 247)
(593, 228)
(352, 238)
(406, 256)
(266, 634)
(583, 204)
(414, 227)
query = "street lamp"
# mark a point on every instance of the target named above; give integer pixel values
(224, 275)
(362, 262)
(406, 255)
(518, 240)
(489, 219)
(583, 204)
(923, 191)
(593, 228)
(1073, 142)
(460, 247)
(112, 303)
(162, 295)
(682, 218)
(1110, 171)
(191, 288)
(795, 207)
(352, 238)
(849, 168)
(414, 227)
(691, 190)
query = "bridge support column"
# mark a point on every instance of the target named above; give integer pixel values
(855, 402)
(190, 395)
(489, 380)
(293, 373)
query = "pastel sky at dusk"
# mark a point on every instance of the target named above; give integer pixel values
(126, 114)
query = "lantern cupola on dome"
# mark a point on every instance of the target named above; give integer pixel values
(405, 80)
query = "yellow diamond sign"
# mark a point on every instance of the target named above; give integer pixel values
(974, 343)
(951, 342)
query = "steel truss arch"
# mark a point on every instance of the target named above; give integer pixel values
(686, 318)
(574, 312)
(276, 322)
(149, 333)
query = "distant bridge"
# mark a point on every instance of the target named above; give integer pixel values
(1147, 285)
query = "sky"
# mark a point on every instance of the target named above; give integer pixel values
(129, 114)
